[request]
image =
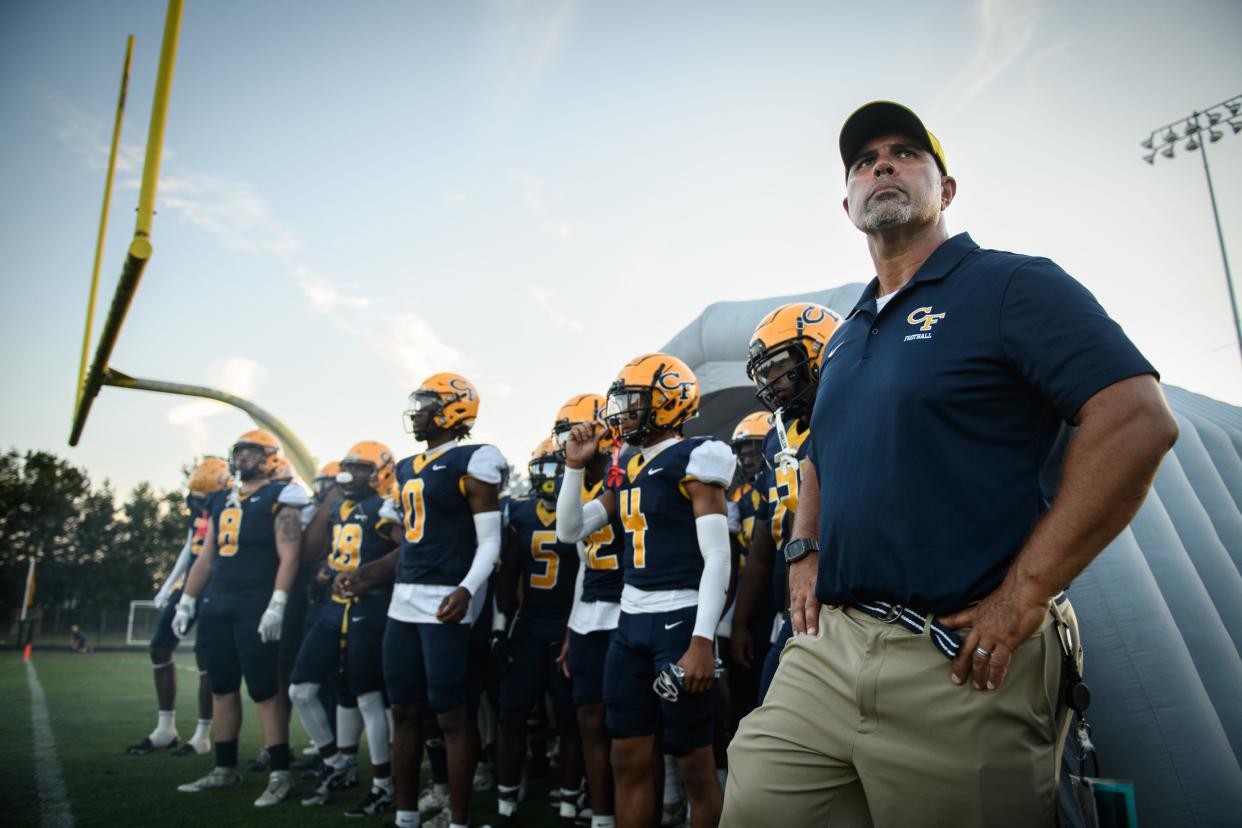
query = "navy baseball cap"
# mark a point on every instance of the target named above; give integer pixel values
(879, 117)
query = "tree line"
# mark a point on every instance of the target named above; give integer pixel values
(93, 550)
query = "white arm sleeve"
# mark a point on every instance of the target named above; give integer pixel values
(182, 565)
(713, 532)
(487, 464)
(734, 515)
(574, 521)
(486, 551)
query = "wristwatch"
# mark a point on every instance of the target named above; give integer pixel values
(799, 548)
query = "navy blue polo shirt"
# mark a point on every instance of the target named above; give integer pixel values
(936, 415)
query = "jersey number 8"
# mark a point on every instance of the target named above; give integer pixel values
(230, 528)
(346, 547)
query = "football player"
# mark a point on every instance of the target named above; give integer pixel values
(785, 353)
(755, 606)
(450, 545)
(671, 503)
(597, 604)
(534, 596)
(209, 476)
(346, 637)
(244, 574)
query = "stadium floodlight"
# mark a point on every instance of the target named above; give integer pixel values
(101, 373)
(1147, 142)
(1192, 128)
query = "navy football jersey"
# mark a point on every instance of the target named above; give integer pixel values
(602, 580)
(246, 557)
(661, 541)
(782, 500)
(548, 566)
(439, 539)
(360, 535)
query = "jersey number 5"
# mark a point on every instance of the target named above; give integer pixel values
(635, 524)
(415, 510)
(230, 527)
(539, 543)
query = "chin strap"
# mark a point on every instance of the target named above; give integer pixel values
(615, 476)
(786, 458)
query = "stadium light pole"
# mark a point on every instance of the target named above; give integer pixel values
(1198, 135)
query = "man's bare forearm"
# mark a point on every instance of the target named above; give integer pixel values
(1124, 432)
(755, 576)
(806, 519)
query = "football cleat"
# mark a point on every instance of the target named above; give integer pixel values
(786, 354)
(432, 800)
(259, 763)
(440, 820)
(191, 748)
(452, 399)
(653, 392)
(146, 746)
(218, 778)
(484, 777)
(366, 469)
(333, 779)
(279, 788)
(377, 801)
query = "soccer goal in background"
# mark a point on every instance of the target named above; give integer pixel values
(143, 616)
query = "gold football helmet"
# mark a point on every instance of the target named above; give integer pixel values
(785, 355)
(452, 398)
(653, 392)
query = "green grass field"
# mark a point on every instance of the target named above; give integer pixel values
(102, 702)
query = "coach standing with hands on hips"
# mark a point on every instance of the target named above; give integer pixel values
(923, 532)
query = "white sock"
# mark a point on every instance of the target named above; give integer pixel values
(348, 726)
(305, 698)
(672, 783)
(722, 774)
(603, 822)
(408, 819)
(506, 800)
(202, 732)
(339, 760)
(165, 728)
(458, 825)
(383, 784)
(371, 708)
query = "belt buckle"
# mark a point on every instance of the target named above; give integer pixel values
(894, 612)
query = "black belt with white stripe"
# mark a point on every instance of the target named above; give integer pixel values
(942, 638)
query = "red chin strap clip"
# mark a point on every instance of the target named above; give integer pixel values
(615, 475)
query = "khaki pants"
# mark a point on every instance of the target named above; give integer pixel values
(863, 726)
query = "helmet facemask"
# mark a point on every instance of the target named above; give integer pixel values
(246, 460)
(628, 413)
(749, 453)
(424, 409)
(785, 379)
(357, 480)
(544, 474)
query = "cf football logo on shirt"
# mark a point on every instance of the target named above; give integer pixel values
(924, 318)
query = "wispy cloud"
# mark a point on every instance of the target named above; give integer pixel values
(536, 193)
(551, 302)
(231, 211)
(237, 375)
(1006, 30)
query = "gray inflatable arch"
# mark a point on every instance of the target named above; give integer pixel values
(1160, 608)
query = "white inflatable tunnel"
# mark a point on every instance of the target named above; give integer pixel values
(1160, 608)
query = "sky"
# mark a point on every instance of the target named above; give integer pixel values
(355, 196)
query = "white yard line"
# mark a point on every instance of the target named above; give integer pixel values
(54, 809)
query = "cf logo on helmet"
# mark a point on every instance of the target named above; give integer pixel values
(461, 386)
(813, 315)
(924, 318)
(671, 381)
